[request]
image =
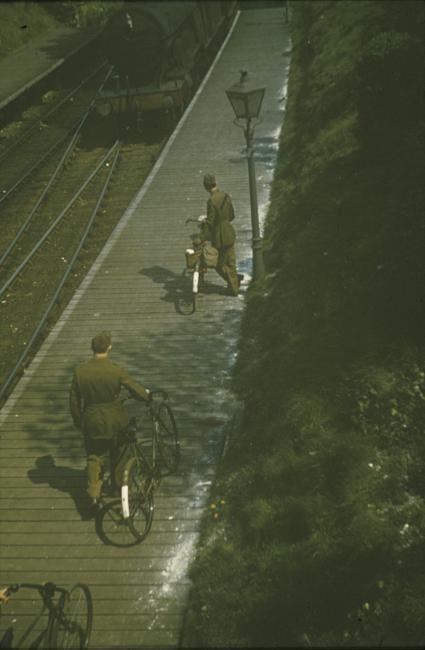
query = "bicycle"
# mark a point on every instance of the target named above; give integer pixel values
(198, 260)
(70, 617)
(141, 475)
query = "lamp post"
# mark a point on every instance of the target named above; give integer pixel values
(246, 99)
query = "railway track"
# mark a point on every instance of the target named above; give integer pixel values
(48, 261)
(56, 242)
(32, 146)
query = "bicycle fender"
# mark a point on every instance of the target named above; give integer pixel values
(195, 281)
(125, 502)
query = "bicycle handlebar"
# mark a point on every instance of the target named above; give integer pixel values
(151, 394)
(47, 589)
(199, 221)
(159, 392)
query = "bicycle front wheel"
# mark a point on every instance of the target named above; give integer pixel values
(168, 438)
(184, 301)
(73, 628)
(137, 497)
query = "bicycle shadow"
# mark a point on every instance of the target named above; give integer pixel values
(65, 479)
(178, 285)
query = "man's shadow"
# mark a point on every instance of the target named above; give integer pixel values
(65, 479)
(178, 285)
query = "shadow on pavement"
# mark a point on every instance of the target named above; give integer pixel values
(65, 479)
(179, 285)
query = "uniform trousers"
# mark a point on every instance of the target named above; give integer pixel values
(226, 267)
(101, 452)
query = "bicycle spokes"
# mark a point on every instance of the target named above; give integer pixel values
(137, 497)
(74, 624)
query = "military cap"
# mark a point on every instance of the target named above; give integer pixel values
(209, 181)
(101, 342)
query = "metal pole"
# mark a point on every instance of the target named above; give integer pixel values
(257, 245)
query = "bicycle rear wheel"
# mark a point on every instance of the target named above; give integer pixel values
(168, 438)
(137, 497)
(72, 630)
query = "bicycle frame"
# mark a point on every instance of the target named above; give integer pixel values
(64, 624)
(197, 266)
(136, 450)
(133, 444)
(142, 476)
(200, 268)
(47, 592)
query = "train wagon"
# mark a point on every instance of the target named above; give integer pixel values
(158, 52)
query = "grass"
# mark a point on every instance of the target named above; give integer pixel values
(21, 22)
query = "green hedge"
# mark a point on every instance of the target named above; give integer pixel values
(321, 538)
(20, 22)
(88, 13)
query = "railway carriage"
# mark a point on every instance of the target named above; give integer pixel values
(159, 52)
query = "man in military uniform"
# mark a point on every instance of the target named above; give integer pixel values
(97, 411)
(218, 229)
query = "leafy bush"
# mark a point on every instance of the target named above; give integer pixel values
(21, 22)
(91, 13)
(96, 14)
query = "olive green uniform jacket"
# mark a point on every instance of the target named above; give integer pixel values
(94, 398)
(217, 227)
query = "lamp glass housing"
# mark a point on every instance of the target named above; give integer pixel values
(246, 99)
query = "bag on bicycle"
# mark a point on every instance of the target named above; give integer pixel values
(210, 255)
(191, 258)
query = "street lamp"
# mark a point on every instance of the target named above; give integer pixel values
(246, 99)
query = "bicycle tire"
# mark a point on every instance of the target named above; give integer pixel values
(137, 497)
(73, 629)
(167, 437)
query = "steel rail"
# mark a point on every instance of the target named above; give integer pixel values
(37, 204)
(19, 364)
(49, 113)
(56, 222)
(6, 193)
(34, 209)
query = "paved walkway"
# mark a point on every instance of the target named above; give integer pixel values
(140, 593)
(22, 69)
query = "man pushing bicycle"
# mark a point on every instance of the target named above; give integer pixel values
(218, 229)
(98, 412)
